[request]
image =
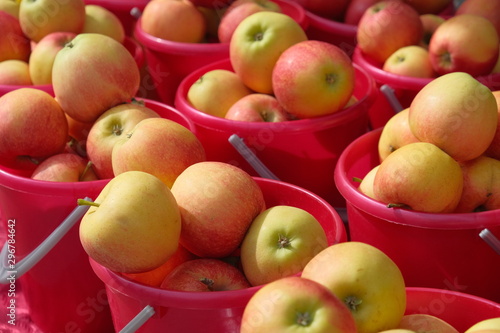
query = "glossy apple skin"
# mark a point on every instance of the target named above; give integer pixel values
(64, 167)
(395, 134)
(257, 108)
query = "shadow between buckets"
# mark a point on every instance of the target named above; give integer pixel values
(432, 250)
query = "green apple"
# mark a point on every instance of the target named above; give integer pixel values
(133, 225)
(257, 43)
(295, 304)
(280, 242)
(369, 283)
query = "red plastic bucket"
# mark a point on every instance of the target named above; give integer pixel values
(405, 88)
(131, 44)
(302, 152)
(432, 250)
(201, 311)
(61, 291)
(460, 310)
(169, 62)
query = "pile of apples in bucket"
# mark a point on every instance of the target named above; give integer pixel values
(34, 31)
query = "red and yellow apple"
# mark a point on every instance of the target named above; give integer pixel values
(412, 61)
(13, 43)
(395, 134)
(15, 72)
(99, 19)
(64, 167)
(258, 108)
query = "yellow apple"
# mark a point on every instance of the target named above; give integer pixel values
(424, 323)
(103, 21)
(11, 7)
(395, 134)
(366, 184)
(486, 324)
(15, 72)
(412, 61)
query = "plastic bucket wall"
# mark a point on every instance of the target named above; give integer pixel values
(432, 250)
(61, 291)
(132, 45)
(169, 62)
(458, 309)
(208, 311)
(302, 152)
(405, 87)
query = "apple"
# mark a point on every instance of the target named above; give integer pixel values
(205, 275)
(412, 61)
(41, 17)
(256, 45)
(257, 107)
(212, 17)
(496, 69)
(485, 324)
(280, 242)
(481, 189)
(15, 72)
(355, 10)
(425, 323)
(313, 78)
(455, 47)
(485, 8)
(395, 134)
(174, 20)
(99, 19)
(365, 279)
(155, 277)
(64, 167)
(407, 176)
(93, 73)
(33, 127)
(133, 225)
(218, 202)
(13, 43)
(397, 330)
(366, 183)
(43, 55)
(11, 7)
(430, 22)
(386, 27)
(78, 131)
(429, 6)
(468, 117)
(216, 91)
(114, 123)
(494, 147)
(236, 12)
(294, 304)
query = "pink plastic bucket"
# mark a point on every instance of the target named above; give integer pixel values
(61, 290)
(201, 311)
(460, 310)
(432, 250)
(302, 152)
(405, 88)
(169, 62)
(131, 44)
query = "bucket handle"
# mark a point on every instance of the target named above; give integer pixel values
(391, 97)
(491, 239)
(10, 267)
(139, 320)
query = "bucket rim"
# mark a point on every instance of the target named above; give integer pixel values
(331, 26)
(448, 221)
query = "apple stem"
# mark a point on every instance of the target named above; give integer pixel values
(357, 179)
(208, 282)
(83, 202)
(397, 205)
(87, 168)
(352, 303)
(137, 102)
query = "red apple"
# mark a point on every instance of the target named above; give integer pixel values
(218, 202)
(455, 46)
(33, 127)
(64, 167)
(356, 9)
(257, 107)
(93, 73)
(15, 72)
(14, 44)
(387, 26)
(205, 275)
(313, 78)
(486, 8)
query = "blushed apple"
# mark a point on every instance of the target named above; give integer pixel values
(41, 17)
(412, 61)
(258, 108)
(430, 22)
(494, 147)
(133, 225)
(386, 27)
(114, 123)
(218, 202)
(468, 117)
(256, 45)
(64, 167)
(15, 72)
(43, 54)
(93, 73)
(99, 19)
(454, 46)
(313, 78)
(485, 8)
(216, 91)
(279, 243)
(425, 323)
(355, 10)
(13, 43)
(158, 146)
(395, 134)
(78, 131)
(407, 176)
(365, 279)
(205, 275)
(296, 304)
